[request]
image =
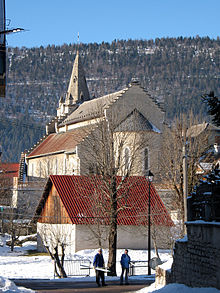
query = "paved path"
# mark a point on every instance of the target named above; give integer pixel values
(51, 286)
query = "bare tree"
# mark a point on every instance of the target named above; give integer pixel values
(17, 223)
(55, 235)
(111, 151)
(55, 239)
(184, 133)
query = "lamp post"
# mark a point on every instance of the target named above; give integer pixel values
(149, 177)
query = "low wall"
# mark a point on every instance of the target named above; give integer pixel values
(197, 258)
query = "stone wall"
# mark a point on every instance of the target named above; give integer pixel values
(196, 258)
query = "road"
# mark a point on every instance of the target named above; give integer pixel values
(51, 286)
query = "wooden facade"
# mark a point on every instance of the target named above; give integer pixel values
(54, 211)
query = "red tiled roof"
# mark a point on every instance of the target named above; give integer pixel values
(9, 170)
(82, 195)
(58, 142)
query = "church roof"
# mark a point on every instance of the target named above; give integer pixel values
(135, 121)
(60, 142)
(92, 109)
(95, 108)
(77, 90)
(80, 196)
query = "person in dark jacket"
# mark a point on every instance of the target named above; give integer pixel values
(125, 262)
(99, 263)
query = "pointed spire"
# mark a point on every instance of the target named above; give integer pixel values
(77, 90)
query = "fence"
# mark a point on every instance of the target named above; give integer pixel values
(138, 268)
(77, 268)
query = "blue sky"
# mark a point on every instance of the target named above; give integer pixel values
(59, 21)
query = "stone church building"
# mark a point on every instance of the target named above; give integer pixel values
(62, 150)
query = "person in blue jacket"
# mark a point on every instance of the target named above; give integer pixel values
(99, 263)
(125, 261)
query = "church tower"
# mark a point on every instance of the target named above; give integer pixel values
(77, 91)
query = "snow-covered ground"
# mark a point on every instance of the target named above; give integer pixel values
(18, 265)
(177, 288)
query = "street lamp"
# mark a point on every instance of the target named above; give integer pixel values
(149, 177)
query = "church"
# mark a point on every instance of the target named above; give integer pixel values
(65, 149)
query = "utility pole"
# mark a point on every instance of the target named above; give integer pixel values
(185, 182)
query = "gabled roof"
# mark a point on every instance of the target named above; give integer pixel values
(8, 170)
(135, 121)
(95, 108)
(91, 109)
(61, 142)
(77, 90)
(81, 196)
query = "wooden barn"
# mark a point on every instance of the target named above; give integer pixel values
(75, 210)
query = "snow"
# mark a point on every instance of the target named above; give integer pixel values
(19, 265)
(184, 239)
(177, 288)
(167, 265)
(203, 222)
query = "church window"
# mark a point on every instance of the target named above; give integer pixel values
(146, 159)
(127, 158)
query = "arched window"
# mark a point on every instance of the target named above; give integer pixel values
(127, 158)
(146, 159)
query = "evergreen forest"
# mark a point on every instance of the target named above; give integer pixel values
(175, 71)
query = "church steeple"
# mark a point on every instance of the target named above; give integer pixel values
(77, 90)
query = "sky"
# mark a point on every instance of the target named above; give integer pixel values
(48, 22)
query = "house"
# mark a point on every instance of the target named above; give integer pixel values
(8, 171)
(76, 210)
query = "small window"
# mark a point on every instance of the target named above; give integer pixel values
(81, 97)
(146, 159)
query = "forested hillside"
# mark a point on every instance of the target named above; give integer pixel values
(175, 71)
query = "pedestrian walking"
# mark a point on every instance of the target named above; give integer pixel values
(125, 261)
(99, 266)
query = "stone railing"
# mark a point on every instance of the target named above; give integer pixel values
(196, 258)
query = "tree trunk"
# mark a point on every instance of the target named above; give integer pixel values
(113, 231)
(59, 265)
(112, 247)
